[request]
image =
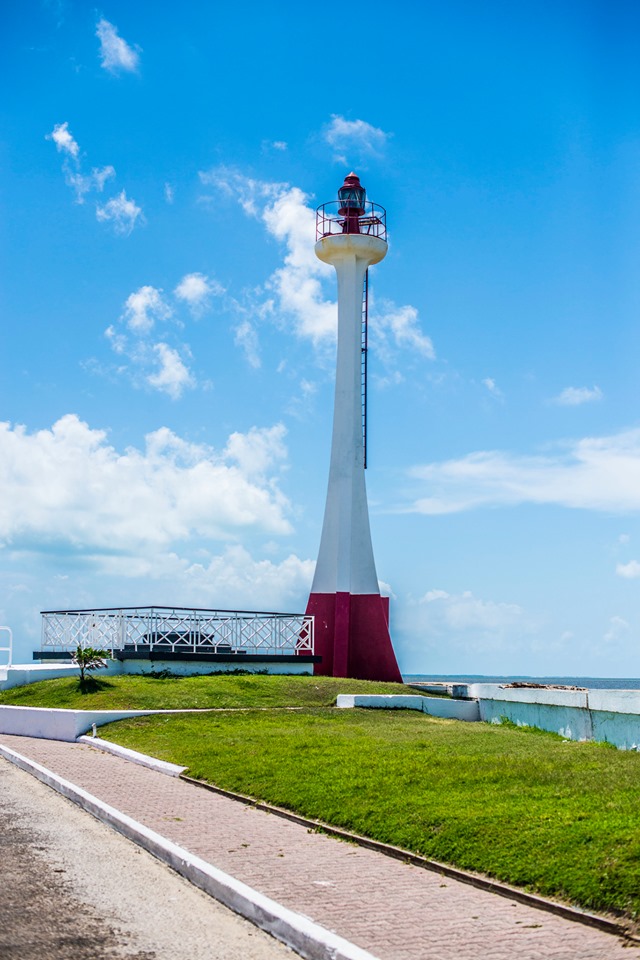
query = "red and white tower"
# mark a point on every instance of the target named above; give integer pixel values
(351, 618)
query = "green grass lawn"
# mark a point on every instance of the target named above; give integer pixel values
(169, 693)
(559, 818)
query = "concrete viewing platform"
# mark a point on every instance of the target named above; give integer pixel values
(387, 908)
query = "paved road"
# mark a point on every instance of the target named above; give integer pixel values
(395, 911)
(72, 889)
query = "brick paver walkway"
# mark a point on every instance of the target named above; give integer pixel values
(395, 911)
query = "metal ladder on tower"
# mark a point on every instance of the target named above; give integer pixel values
(363, 362)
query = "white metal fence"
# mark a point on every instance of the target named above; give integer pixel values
(8, 649)
(178, 630)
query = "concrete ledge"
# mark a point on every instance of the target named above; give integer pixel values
(467, 710)
(615, 701)
(19, 675)
(307, 938)
(384, 701)
(50, 723)
(572, 723)
(455, 690)
(442, 707)
(557, 698)
(162, 766)
(609, 716)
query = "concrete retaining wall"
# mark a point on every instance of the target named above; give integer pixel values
(23, 673)
(434, 706)
(54, 724)
(611, 716)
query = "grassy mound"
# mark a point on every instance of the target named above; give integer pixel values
(163, 692)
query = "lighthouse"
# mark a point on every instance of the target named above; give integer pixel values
(351, 618)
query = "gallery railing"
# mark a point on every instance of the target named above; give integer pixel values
(330, 221)
(9, 648)
(178, 629)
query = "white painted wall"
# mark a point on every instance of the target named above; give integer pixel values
(55, 724)
(610, 716)
(185, 668)
(446, 709)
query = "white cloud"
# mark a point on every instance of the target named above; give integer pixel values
(151, 360)
(307, 388)
(595, 473)
(61, 136)
(297, 285)
(172, 376)
(100, 175)
(246, 337)
(120, 211)
(432, 595)
(301, 400)
(354, 135)
(467, 621)
(575, 396)
(297, 288)
(492, 387)
(279, 145)
(231, 580)
(144, 308)
(237, 580)
(257, 451)
(629, 570)
(68, 485)
(195, 289)
(85, 184)
(464, 611)
(251, 194)
(117, 340)
(401, 326)
(617, 630)
(115, 53)
(169, 193)
(393, 379)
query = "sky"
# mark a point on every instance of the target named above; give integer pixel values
(167, 336)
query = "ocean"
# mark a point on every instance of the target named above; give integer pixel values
(591, 683)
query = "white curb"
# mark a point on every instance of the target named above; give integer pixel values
(303, 935)
(162, 766)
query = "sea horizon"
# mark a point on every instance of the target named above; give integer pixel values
(591, 683)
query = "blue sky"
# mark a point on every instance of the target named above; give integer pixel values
(167, 335)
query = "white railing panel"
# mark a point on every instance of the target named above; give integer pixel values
(8, 649)
(176, 629)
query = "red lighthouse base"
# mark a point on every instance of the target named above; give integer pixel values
(352, 636)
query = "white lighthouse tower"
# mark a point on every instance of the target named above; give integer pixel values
(351, 618)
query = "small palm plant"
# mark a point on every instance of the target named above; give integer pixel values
(87, 658)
